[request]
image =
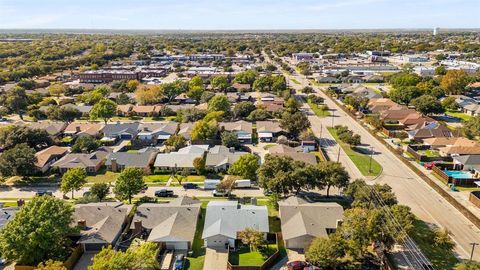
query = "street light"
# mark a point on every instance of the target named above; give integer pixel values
(473, 248)
(370, 162)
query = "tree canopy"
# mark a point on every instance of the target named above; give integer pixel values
(129, 182)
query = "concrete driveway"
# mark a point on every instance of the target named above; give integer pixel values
(216, 259)
(85, 261)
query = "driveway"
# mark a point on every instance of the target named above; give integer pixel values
(216, 259)
(85, 261)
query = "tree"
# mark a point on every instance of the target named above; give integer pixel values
(246, 77)
(326, 252)
(404, 94)
(246, 166)
(19, 160)
(206, 96)
(38, 232)
(450, 104)
(100, 190)
(16, 101)
(85, 144)
(204, 130)
(402, 79)
(263, 84)
(403, 215)
(471, 265)
(471, 128)
(132, 85)
(142, 257)
(294, 123)
(427, 104)
(292, 105)
(129, 182)
(441, 70)
(57, 89)
(11, 136)
(175, 142)
(171, 90)
(104, 109)
(199, 165)
(259, 115)
(220, 82)
(195, 82)
(333, 174)
(51, 265)
(454, 82)
(62, 113)
(73, 179)
(148, 94)
(442, 239)
(219, 103)
(230, 139)
(243, 109)
(251, 237)
(363, 194)
(195, 93)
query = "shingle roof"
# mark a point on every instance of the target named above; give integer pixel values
(80, 160)
(132, 159)
(183, 158)
(237, 126)
(468, 159)
(43, 157)
(116, 129)
(92, 129)
(283, 150)
(269, 126)
(52, 128)
(220, 155)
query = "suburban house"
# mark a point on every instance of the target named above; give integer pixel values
(124, 110)
(83, 109)
(78, 129)
(429, 130)
(184, 99)
(224, 219)
(220, 158)
(303, 221)
(46, 157)
(142, 159)
(53, 129)
(181, 159)
(379, 105)
(101, 224)
(243, 129)
(171, 224)
(242, 87)
(269, 131)
(395, 114)
(121, 131)
(284, 150)
(145, 110)
(155, 132)
(468, 163)
(185, 130)
(90, 162)
(439, 142)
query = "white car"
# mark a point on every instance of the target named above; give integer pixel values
(220, 193)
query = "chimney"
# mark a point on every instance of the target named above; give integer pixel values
(114, 164)
(339, 223)
(137, 228)
(20, 202)
(82, 224)
(77, 128)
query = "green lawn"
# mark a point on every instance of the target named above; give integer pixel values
(462, 116)
(107, 177)
(441, 258)
(361, 160)
(156, 178)
(430, 153)
(244, 257)
(319, 155)
(195, 178)
(317, 109)
(295, 81)
(195, 262)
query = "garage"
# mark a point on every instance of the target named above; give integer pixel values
(93, 247)
(176, 245)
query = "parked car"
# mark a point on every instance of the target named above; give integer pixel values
(297, 265)
(220, 193)
(179, 261)
(429, 165)
(164, 193)
(190, 186)
(43, 193)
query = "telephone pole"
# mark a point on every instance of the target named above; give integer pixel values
(370, 162)
(473, 249)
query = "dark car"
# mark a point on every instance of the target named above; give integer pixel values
(190, 186)
(179, 261)
(297, 265)
(43, 193)
(164, 193)
(427, 267)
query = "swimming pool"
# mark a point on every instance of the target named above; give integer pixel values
(459, 174)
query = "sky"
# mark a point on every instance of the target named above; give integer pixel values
(238, 14)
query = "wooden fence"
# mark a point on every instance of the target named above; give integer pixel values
(413, 150)
(475, 198)
(267, 264)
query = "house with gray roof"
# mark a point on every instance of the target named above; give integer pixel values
(101, 224)
(7, 214)
(224, 219)
(185, 130)
(181, 159)
(284, 150)
(156, 132)
(302, 221)
(242, 129)
(268, 131)
(220, 158)
(118, 161)
(121, 131)
(52, 128)
(83, 109)
(90, 162)
(172, 224)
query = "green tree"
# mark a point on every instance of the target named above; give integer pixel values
(471, 128)
(230, 139)
(251, 237)
(199, 165)
(263, 84)
(364, 195)
(104, 109)
(326, 252)
(85, 144)
(196, 82)
(427, 104)
(173, 89)
(246, 166)
(175, 142)
(19, 160)
(450, 103)
(129, 182)
(243, 109)
(51, 265)
(73, 179)
(294, 123)
(471, 265)
(259, 115)
(402, 79)
(195, 93)
(57, 89)
(16, 101)
(203, 130)
(132, 85)
(220, 82)
(11, 136)
(100, 190)
(219, 103)
(442, 239)
(246, 77)
(135, 257)
(333, 174)
(38, 232)
(404, 94)
(454, 82)
(64, 114)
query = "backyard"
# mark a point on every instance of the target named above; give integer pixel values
(244, 257)
(462, 116)
(361, 160)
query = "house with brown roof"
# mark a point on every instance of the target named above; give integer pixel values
(46, 157)
(394, 115)
(124, 110)
(268, 131)
(438, 142)
(170, 224)
(101, 224)
(303, 221)
(242, 87)
(283, 150)
(429, 130)
(90, 162)
(146, 110)
(242, 129)
(77, 129)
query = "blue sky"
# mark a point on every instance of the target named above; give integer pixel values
(239, 14)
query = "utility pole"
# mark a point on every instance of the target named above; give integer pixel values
(338, 155)
(333, 117)
(473, 249)
(370, 162)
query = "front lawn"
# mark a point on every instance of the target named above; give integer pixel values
(156, 178)
(462, 116)
(361, 160)
(195, 178)
(441, 258)
(244, 257)
(107, 177)
(317, 109)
